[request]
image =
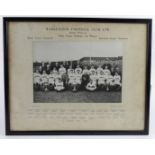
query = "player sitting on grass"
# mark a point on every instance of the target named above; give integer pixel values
(59, 85)
(36, 80)
(91, 86)
(51, 80)
(44, 81)
(117, 81)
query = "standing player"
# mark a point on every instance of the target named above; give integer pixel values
(54, 71)
(36, 80)
(44, 81)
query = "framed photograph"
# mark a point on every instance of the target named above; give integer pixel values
(77, 76)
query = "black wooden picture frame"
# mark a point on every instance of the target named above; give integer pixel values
(148, 22)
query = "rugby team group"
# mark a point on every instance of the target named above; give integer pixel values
(89, 78)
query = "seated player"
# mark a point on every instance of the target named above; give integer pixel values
(44, 81)
(101, 80)
(106, 73)
(75, 81)
(51, 80)
(71, 77)
(85, 71)
(93, 76)
(117, 81)
(59, 85)
(78, 70)
(92, 70)
(36, 80)
(91, 86)
(62, 70)
(110, 83)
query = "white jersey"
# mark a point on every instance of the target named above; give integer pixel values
(70, 71)
(92, 71)
(106, 72)
(62, 70)
(44, 78)
(71, 78)
(51, 78)
(100, 71)
(117, 79)
(36, 77)
(85, 71)
(55, 71)
(78, 70)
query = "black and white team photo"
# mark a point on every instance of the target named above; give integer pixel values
(75, 72)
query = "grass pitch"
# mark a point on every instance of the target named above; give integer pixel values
(77, 97)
